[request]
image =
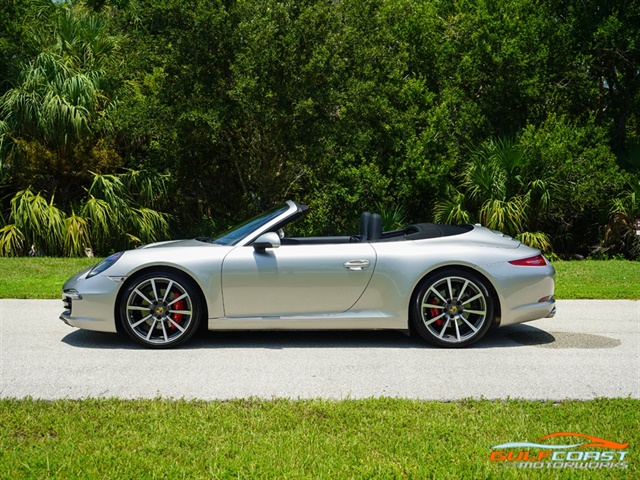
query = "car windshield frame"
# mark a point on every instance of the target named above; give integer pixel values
(236, 234)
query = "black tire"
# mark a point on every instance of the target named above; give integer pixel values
(161, 310)
(452, 309)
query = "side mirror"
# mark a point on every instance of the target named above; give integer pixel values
(266, 240)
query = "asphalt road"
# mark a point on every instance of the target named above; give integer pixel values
(590, 349)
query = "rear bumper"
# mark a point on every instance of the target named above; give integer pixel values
(525, 293)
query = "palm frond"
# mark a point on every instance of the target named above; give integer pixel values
(12, 241)
(619, 235)
(508, 216)
(148, 188)
(149, 225)
(28, 213)
(495, 190)
(103, 223)
(540, 190)
(57, 97)
(54, 221)
(133, 240)
(77, 236)
(538, 240)
(40, 222)
(507, 153)
(479, 180)
(629, 202)
(393, 218)
(111, 190)
(451, 210)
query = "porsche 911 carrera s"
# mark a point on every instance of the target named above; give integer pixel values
(450, 284)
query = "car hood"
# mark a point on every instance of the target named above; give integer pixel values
(179, 243)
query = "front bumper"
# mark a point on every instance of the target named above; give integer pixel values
(89, 302)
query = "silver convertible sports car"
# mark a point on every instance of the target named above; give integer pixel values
(450, 284)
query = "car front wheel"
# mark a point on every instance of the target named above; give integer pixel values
(452, 309)
(161, 310)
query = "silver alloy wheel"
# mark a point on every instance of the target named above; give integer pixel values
(454, 310)
(159, 311)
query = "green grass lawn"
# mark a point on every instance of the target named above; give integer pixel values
(598, 279)
(38, 277)
(375, 438)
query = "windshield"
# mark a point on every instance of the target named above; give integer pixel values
(238, 232)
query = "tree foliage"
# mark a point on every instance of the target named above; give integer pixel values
(220, 108)
(496, 193)
(50, 114)
(109, 219)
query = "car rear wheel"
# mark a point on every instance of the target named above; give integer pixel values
(161, 310)
(452, 309)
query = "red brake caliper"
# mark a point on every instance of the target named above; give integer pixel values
(435, 312)
(177, 317)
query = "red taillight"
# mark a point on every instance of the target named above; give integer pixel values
(537, 261)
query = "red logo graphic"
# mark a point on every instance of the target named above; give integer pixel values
(595, 441)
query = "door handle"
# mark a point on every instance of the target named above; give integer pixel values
(357, 265)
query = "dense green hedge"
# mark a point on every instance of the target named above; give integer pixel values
(345, 106)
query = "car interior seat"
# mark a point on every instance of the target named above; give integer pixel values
(365, 218)
(375, 227)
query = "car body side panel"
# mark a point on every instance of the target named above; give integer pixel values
(402, 265)
(97, 306)
(399, 269)
(295, 280)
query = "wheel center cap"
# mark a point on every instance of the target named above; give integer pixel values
(159, 310)
(454, 309)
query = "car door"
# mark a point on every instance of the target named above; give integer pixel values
(295, 279)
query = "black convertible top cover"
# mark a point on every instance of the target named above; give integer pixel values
(423, 231)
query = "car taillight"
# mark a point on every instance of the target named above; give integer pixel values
(537, 261)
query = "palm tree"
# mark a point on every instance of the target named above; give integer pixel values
(57, 97)
(494, 192)
(51, 103)
(116, 220)
(37, 226)
(110, 219)
(620, 235)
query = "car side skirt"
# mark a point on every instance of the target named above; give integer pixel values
(361, 320)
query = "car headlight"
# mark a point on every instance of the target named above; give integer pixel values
(104, 264)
